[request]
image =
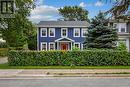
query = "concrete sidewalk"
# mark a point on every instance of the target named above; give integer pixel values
(12, 73)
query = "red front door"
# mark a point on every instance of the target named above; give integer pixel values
(64, 46)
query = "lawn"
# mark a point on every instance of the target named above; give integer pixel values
(6, 66)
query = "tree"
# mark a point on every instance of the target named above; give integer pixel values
(120, 7)
(100, 35)
(74, 13)
(16, 30)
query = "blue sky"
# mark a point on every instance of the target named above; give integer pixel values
(47, 10)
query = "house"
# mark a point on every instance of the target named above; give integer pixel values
(61, 35)
(123, 29)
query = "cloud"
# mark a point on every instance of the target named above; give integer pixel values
(99, 4)
(39, 2)
(44, 13)
(82, 4)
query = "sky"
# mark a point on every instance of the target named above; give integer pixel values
(47, 10)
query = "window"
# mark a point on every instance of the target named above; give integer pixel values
(77, 32)
(84, 32)
(43, 32)
(7, 7)
(122, 29)
(83, 47)
(51, 46)
(77, 45)
(44, 46)
(51, 32)
(115, 25)
(64, 32)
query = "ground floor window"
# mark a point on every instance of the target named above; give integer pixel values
(52, 46)
(44, 46)
(77, 45)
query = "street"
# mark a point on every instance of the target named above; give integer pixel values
(66, 82)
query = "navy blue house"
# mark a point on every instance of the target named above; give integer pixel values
(61, 35)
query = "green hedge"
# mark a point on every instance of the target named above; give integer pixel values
(3, 52)
(69, 58)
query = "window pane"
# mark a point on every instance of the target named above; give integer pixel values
(64, 32)
(122, 29)
(52, 32)
(85, 32)
(51, 46)
(77, 32)
(43, 46)
(10, 7)
(44, 32)
(77, 45)
(4, 7)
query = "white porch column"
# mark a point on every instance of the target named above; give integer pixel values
(71, 45)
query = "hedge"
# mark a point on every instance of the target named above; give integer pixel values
(69, 58)
(3, 52)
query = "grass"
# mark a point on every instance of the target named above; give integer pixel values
(6, 66)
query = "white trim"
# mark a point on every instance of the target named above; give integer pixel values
(82, 31)
(52, 30)
(41, 31)
(41, 45)
(53, 45)
(82, 46)
(64, 41)
(62, 32)
(78, 44)
(38, 39)
(75, 32)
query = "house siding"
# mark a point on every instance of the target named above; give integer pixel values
(58, 35)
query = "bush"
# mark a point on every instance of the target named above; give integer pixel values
(3, 52)
(3, 45)
(69, 58)
(122, 46)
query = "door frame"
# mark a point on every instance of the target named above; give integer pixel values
(64, 43)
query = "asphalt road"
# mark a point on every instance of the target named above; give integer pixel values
(66, 82)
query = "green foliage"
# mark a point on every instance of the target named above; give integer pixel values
(74, 13)
(16, 30)
(69, 58)
(32, 42)
(100, 35)
(3, 45)
(122, 47)
(75, 48)
(3, 52)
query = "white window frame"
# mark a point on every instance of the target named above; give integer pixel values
(77, 43)
(42, 30)
(49, 32)
(50, 46)
(62, 32)
(83, 30)
(75, 32)
(41, 46)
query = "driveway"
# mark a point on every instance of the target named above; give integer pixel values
(66, 82)
(3, 60)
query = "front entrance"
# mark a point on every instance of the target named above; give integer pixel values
(64, 46)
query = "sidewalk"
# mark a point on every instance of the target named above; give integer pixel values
(12, 73)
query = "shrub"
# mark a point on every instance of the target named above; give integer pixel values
(75, 48)
(3, 52)
(122, 46)
(69, 58)
(3, 45)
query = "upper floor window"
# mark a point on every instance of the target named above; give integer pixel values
(43, 32)
(122, 27)
(77, 45)
(7, 7)
(64, 32)
(77, 32)
(44, 46)
(51, 32)
(84, 32)
(51, 46)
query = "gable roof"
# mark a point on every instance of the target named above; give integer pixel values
(63, 24)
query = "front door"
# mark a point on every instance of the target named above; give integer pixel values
(64, 46)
